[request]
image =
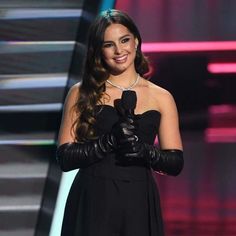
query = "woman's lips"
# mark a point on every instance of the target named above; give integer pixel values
(121, 59)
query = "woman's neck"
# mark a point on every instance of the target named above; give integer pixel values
(125, 79)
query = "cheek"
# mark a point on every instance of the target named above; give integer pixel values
(106, 54)
(131, 48)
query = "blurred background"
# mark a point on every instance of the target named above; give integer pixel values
(191, 45)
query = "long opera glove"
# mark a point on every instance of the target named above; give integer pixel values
(169, 161)
(76, 155)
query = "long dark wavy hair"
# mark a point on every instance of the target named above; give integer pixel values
(96, 73)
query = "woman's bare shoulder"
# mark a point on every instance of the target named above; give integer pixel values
(71, 98)
(161, 95)
(73, 92)
(158, 90)
(74, 89)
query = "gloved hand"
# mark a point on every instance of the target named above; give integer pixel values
(168, 161)
(123, 132)
(75, 155)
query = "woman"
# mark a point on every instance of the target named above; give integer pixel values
(111, 139)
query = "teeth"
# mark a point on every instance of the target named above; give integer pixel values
(121, 58)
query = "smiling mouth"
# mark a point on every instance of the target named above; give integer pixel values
(120, 59)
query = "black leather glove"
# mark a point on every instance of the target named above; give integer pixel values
(168, 161)
(123, 131)
(75, 155)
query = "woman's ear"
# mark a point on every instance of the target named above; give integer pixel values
(136, 43)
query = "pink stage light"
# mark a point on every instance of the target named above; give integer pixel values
(189, 46)
(220, 135)
(222, 68)
(222, 109)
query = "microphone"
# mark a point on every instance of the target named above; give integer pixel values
(128, 102)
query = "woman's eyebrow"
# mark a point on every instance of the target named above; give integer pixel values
(110, 41)
(125, 36)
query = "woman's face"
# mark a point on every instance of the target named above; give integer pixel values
(119, 48)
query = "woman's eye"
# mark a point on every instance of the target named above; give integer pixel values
(125, 40)
(107, 45)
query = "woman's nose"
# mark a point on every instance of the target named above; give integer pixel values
(118, 49)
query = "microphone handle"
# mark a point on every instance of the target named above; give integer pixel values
(130, 113)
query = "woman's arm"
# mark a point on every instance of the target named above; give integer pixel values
(169, 134)
(71, 154)
(169, 158)
(68, 117)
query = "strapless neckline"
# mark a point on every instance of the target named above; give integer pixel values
(148, 121)
(139, 114)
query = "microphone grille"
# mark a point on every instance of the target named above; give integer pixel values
(129, 99)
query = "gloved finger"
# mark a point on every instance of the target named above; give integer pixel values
(131, 155)
(127, 148)
(129, 120)
(129, 140)
(127, 125)
(127, 132)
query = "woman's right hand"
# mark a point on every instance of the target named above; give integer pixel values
(124, 133)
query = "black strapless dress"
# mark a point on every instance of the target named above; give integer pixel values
(110, 199)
